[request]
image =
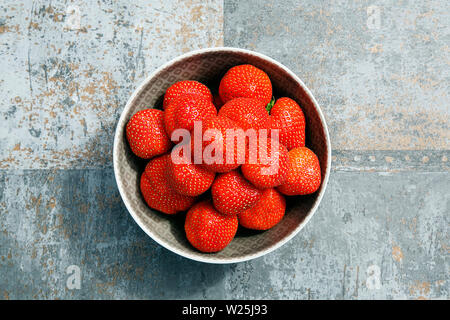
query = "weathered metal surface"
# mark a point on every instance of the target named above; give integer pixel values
(68, 69)
(392, 223)
(382, 230)
(380, 70)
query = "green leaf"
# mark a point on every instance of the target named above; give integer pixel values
(270, 105)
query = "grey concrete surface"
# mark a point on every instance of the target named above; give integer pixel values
(380, 71)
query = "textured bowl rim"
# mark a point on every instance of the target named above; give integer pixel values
(205, 259)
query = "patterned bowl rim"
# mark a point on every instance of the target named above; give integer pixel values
(129, 206)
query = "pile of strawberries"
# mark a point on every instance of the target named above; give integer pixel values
(221, 195)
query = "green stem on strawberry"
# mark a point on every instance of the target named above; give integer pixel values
(270, 105)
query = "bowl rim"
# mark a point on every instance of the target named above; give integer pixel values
(149, 232)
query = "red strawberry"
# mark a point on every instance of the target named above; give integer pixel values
(188, 178)
(266, 163)
(185, 87)
(156, 190)
(232, 194)
(303, 173)
(208, 230)
(146, 134)
(218, 148)
(288, 118)
(245, 81)
(248, 113)
(266, 213)
(184, 110)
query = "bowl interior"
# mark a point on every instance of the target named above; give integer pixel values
(208, 67)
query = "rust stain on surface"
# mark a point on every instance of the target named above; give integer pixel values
(378, 48)
(420, 289)
(5, 29)
(397, 253)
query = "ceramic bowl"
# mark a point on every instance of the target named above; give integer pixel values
(208, 66)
